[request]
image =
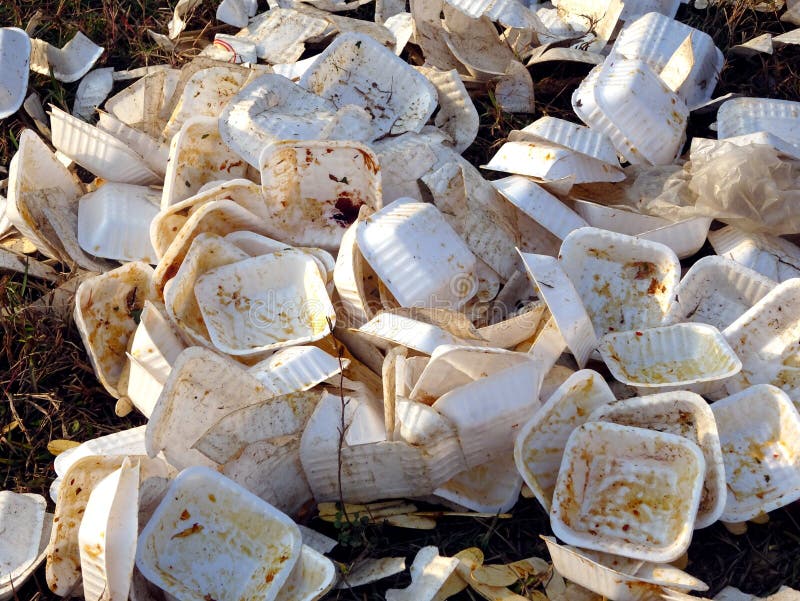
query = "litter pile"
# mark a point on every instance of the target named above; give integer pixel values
(321, 301)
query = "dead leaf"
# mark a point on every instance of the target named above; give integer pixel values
(12, 425)
(495, 575)
(411, 521)
(58, 446)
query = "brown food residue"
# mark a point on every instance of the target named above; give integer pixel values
(193, 529)
(347, 209)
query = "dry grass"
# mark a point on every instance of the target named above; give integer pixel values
(49, 389)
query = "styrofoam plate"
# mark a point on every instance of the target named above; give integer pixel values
(591, 571)
(486, 413)
(457, 114)
(296, 368)
(98, 151)
(475, 43)
(350, 282)
(370, 471)
(629, 103)
(741, 116)
(564, 302)
(154, 152)
(221, 385)
(389, 329)
(280, 34)
(489, 488)
(314, 190)
(34, 170)
(9, 590)
(617, 219)
(166, 225)
(124, 442)
(625, 283)
(21, 522)
(312, 576)
(269, 109)
(217, 217)
(452, 366)
(107, 534)
(272, 470)
(92, 91)
(63, 551)
(479, 215)
(155, 346)
(205, 93)
(206, 252)
(140, 104)
(573, 136)
(272, 420)
(69, 63)
(197, 155)
(655, 37)
(106, 309)
(684, 237)
(765, 338)
(551, 162)
(774, 257)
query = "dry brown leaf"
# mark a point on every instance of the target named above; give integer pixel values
(58, 446)
(495, 575)
(411, 521)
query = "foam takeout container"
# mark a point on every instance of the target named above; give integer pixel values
(628, 491)
(418, 255)
(15, 52)
(265, 302)
(211, 537)
(686, 414)
(717, 291)
(625, 283)
(539, 447)
(759, 429)
(684, 356)
(629, 103)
